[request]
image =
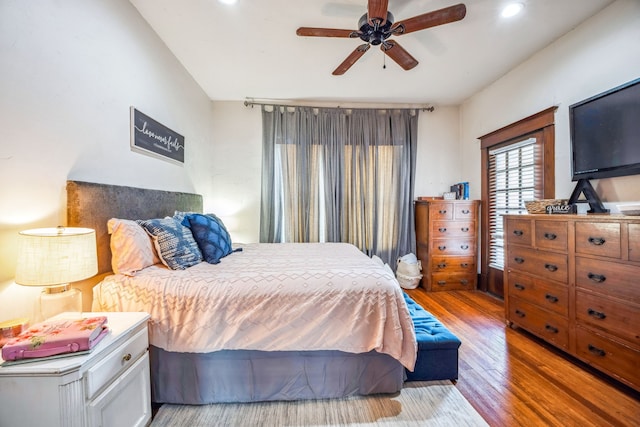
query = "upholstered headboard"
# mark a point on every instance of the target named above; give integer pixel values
(91, 205)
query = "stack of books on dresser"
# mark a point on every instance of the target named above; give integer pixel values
(56, 338)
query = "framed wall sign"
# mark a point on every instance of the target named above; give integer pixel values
(154, 139)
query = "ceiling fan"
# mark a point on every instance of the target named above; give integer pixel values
(377, 25)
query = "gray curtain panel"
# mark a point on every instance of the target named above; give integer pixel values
(340, 175)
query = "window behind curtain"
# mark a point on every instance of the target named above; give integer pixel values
(514, 177)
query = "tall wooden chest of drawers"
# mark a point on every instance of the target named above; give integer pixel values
(447, 242)
(574, 281)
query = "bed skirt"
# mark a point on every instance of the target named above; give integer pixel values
(249, 376)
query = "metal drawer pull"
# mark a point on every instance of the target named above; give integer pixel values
(464, 282)
(464, 229)
(442, 282)
(442, 229)
(518, 232)
(464, 265)
(550, 236)
(551, 267)
(518, 286)
(464, 247)
(442, 248)
(551, 329)
(598, 278)
(551, 298)
(520, 313)
(597, 314)
(598, 241)
(519, 260)
(126, 357)
(442, 265)
(597, 351)
(466, 211)
(442, 212)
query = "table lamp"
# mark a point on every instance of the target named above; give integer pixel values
(53, 257)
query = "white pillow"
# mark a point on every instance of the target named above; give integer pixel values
(131, 247)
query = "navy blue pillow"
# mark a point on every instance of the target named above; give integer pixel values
(211, 236)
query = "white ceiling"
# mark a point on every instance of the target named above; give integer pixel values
(250, 49)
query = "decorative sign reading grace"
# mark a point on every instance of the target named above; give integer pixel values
(153, 138)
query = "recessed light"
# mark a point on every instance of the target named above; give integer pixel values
(228, 1)
(512, 9)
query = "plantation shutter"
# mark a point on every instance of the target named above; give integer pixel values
(515, 173)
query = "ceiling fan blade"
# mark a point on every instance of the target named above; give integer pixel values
(377, 9)
(325, 32)
(398, 54)
(430, 19)
(351, 59)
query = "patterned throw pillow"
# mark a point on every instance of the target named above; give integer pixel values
(131, 247)
(210, 234)
(174, 242)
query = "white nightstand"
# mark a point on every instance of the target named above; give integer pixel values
(108, 387)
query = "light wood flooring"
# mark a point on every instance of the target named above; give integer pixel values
(513, 379)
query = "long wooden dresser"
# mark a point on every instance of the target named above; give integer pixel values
(446, 243)
(574, 281)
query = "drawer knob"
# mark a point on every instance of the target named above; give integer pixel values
(597, 351)
(464, 247)
(464, 282)
(551, 298)
(442, 211)
(442, 265)
(598, 278)
(550, 236)
(597, 314)
(520, 313)
(551, 267)
(464, 229)
(466, 211)
(464, 265)
(551, 329)
(442, 282)
(518, 286)
(598, 241)
(519, 260)
(442, 248)
(126, 357)
(518, 232)
(442, 229)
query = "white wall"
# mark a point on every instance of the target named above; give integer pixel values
(69, 72)
(598, 55)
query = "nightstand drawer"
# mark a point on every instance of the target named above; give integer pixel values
(116, 362)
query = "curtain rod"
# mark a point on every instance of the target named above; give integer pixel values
(250, 102)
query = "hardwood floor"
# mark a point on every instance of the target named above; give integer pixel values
(513, 379)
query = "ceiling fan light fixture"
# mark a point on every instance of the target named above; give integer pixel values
(512, 9)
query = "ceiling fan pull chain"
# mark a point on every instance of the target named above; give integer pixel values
(384, 62)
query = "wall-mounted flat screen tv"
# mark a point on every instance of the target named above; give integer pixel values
(605, 133)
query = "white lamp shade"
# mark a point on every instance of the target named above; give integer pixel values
(56, 256)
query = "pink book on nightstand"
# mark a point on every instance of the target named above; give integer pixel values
(50, 338)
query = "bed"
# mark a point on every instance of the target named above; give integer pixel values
(267, 322)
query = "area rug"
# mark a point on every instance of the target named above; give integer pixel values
(432, 403)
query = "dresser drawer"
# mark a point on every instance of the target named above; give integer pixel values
(454, 246)
(619, 319)
(614, 358)
(440, 210)
(553, 297)
(450, 282)
(544, 264)
(609, 278)
(634, 242)
(598, 238)
(446, 229)
(465, 211)
(462, 264)
(518, 231)
(551, 235)
(546, 325)
(116, 362)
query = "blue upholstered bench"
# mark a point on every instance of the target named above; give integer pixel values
(437, 347)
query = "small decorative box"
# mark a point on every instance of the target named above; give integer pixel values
(11, 329)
